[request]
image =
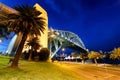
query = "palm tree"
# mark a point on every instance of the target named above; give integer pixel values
(115, 54)
(75, 54)
(94, 55)
(26, 21)
(34, 44)
(3, 29)
(83, 56)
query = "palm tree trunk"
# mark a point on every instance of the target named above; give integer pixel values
(83, 61)
(19, 51)
(30, 56)
(76, 59)
(95, 61)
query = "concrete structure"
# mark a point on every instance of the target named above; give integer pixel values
(43, 37)
(5, 9)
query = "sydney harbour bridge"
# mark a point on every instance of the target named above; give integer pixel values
(60, 38)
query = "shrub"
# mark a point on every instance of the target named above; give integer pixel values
(44, 54)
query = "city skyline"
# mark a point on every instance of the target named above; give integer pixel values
(96, 22)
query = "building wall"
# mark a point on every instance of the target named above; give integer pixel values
(44, 36)
(6, 9)
(43, 39)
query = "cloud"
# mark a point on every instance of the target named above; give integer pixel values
(52, 4)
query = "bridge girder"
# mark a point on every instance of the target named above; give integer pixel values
(60, 38)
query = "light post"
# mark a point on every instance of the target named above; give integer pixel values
(63, 49)
(62, 54)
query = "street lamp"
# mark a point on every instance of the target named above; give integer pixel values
(62, 54)
(63, 49)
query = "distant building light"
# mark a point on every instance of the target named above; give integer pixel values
(0, 40)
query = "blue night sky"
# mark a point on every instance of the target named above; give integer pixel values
(96, 22)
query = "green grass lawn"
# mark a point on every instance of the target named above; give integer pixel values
(57, 71)
(35, 71)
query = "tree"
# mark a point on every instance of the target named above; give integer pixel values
(34, 44)
(26, 21)
(3, 29)
(44, 54)
(115, 54)
(95, 55)
(83, 56)
(75, 54)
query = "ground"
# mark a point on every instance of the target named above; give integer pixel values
(93, 72)
(29, 70)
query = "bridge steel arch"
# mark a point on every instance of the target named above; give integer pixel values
(61, 38)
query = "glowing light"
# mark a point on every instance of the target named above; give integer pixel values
(0, 40)
(63, 49)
